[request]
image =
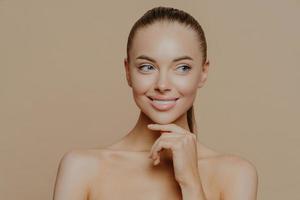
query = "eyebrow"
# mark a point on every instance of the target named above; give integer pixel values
(175, 60)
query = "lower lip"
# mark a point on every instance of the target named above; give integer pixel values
(163, 107)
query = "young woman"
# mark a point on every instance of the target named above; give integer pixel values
(165, 66)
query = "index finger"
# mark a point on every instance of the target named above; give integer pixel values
(166, 127)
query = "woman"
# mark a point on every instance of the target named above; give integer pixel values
(166, 63)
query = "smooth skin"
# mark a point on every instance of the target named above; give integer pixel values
(163, 161)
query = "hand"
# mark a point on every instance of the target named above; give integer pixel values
(183, 145)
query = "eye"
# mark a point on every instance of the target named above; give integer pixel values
(185, 67)
(145, 66)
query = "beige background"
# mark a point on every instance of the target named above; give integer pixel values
(63, 86)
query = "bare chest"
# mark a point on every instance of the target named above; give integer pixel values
(141, 180)
(128, 182)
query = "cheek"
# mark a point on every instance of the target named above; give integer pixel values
(187, 86)
(141, 83)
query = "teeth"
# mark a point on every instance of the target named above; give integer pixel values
(163, 101)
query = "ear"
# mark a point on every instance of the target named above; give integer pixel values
(204, 74)
(126, 65)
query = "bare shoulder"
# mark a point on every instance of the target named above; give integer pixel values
(230, 165)
(75, 158)
(237, 177)
(225, 163)
(84, 159)
(81, 162)
(73, 175)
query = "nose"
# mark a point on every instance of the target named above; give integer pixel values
(162, 84)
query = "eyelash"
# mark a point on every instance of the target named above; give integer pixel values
(189, 68)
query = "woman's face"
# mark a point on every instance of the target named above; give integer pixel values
(156, 72)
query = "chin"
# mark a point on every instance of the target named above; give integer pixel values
(162, 120)
(163, 117)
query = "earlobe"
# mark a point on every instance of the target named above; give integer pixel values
(202, 81)
(126, 65)
(204, 74)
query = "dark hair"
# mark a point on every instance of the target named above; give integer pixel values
(169, 14)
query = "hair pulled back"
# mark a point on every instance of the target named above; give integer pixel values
(169, 14)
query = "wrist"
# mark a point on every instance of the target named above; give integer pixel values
(189, 183)
(192, 191)
(192, 194)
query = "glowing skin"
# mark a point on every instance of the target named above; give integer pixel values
(163, 43)
(206, 174)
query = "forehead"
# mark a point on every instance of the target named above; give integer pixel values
(165, 40)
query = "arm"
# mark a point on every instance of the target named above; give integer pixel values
(71, 184)
(193, 192)
(241, 184)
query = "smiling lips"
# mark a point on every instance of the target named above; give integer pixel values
(163, 104)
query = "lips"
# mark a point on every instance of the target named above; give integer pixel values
(163, 104)
(162, 98)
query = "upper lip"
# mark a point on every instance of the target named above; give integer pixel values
(162, 98)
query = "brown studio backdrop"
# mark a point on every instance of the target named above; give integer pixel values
(63, 86)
